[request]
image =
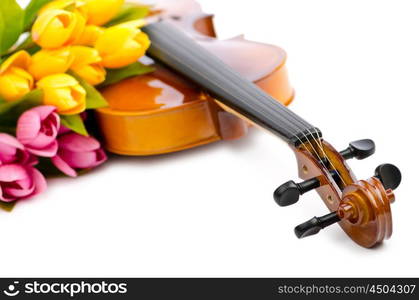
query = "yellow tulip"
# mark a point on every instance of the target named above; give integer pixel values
(102, 11)
(87, 64)
(64, 92)
(90, 35)
(69, 5)
(15, 81)
(80, 24)
(122, 45)
(56, 28)
(49, 62)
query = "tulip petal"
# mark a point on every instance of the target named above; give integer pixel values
(18, 182)
(53, 28)
(39, 181)
(15, 83)
(57, 81)
(30, 160)
(6, 198)
(13, 172)
(79, 160)
(77, 143)
(28, 127)
(24, 183)
(20, 59)
(49, 62)
(63, 166)
(101, 157)
(6, 151)
(47, 151)
(101, 11)
(9, 140)
(44, 111)
(63, 130)
(34, 184)
(19, 193)
(40, 141)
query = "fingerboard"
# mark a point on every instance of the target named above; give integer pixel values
(175, 49)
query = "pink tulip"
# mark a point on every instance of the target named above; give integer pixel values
(20, 182)
(77, 152)
(63, 130)
(37, 130)
(13, 152)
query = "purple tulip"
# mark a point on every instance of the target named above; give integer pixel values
(78, 152)
(37, 130)
(19, 182)
(13, 152)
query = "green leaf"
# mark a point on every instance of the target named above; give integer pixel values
(48, 169)
(94, 98)
(7, 206)
(1, 33)
(11, 111)
(28, 43)
(129, 12)
(8, 129)
(33, 50)
(116, 75)
(31, 99)
(11, 15)
(75, 123)
(32, 10)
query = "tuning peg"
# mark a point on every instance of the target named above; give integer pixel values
(314, 225)
(389, 175)
(359, 149)
(290, 192)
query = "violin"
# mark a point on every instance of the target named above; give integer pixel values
(361, 207)
(164, 112)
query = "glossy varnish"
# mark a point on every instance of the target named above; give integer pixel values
(162, 112)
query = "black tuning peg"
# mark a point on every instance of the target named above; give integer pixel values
(359, 149)
(314, 225)
(290, 192)
(389, 175)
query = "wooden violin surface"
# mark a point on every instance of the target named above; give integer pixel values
(162, 112)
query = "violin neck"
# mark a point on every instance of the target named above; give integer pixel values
(181, 53)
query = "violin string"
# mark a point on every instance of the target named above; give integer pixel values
(238, 88)
(321, 146)
(320, 160)
(295, 122)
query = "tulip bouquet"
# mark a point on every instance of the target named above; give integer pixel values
(53, 57)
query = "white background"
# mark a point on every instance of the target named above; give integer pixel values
(209, 211)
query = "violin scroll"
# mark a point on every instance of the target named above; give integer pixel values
(361, 207)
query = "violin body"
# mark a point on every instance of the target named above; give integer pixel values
(163, 112)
